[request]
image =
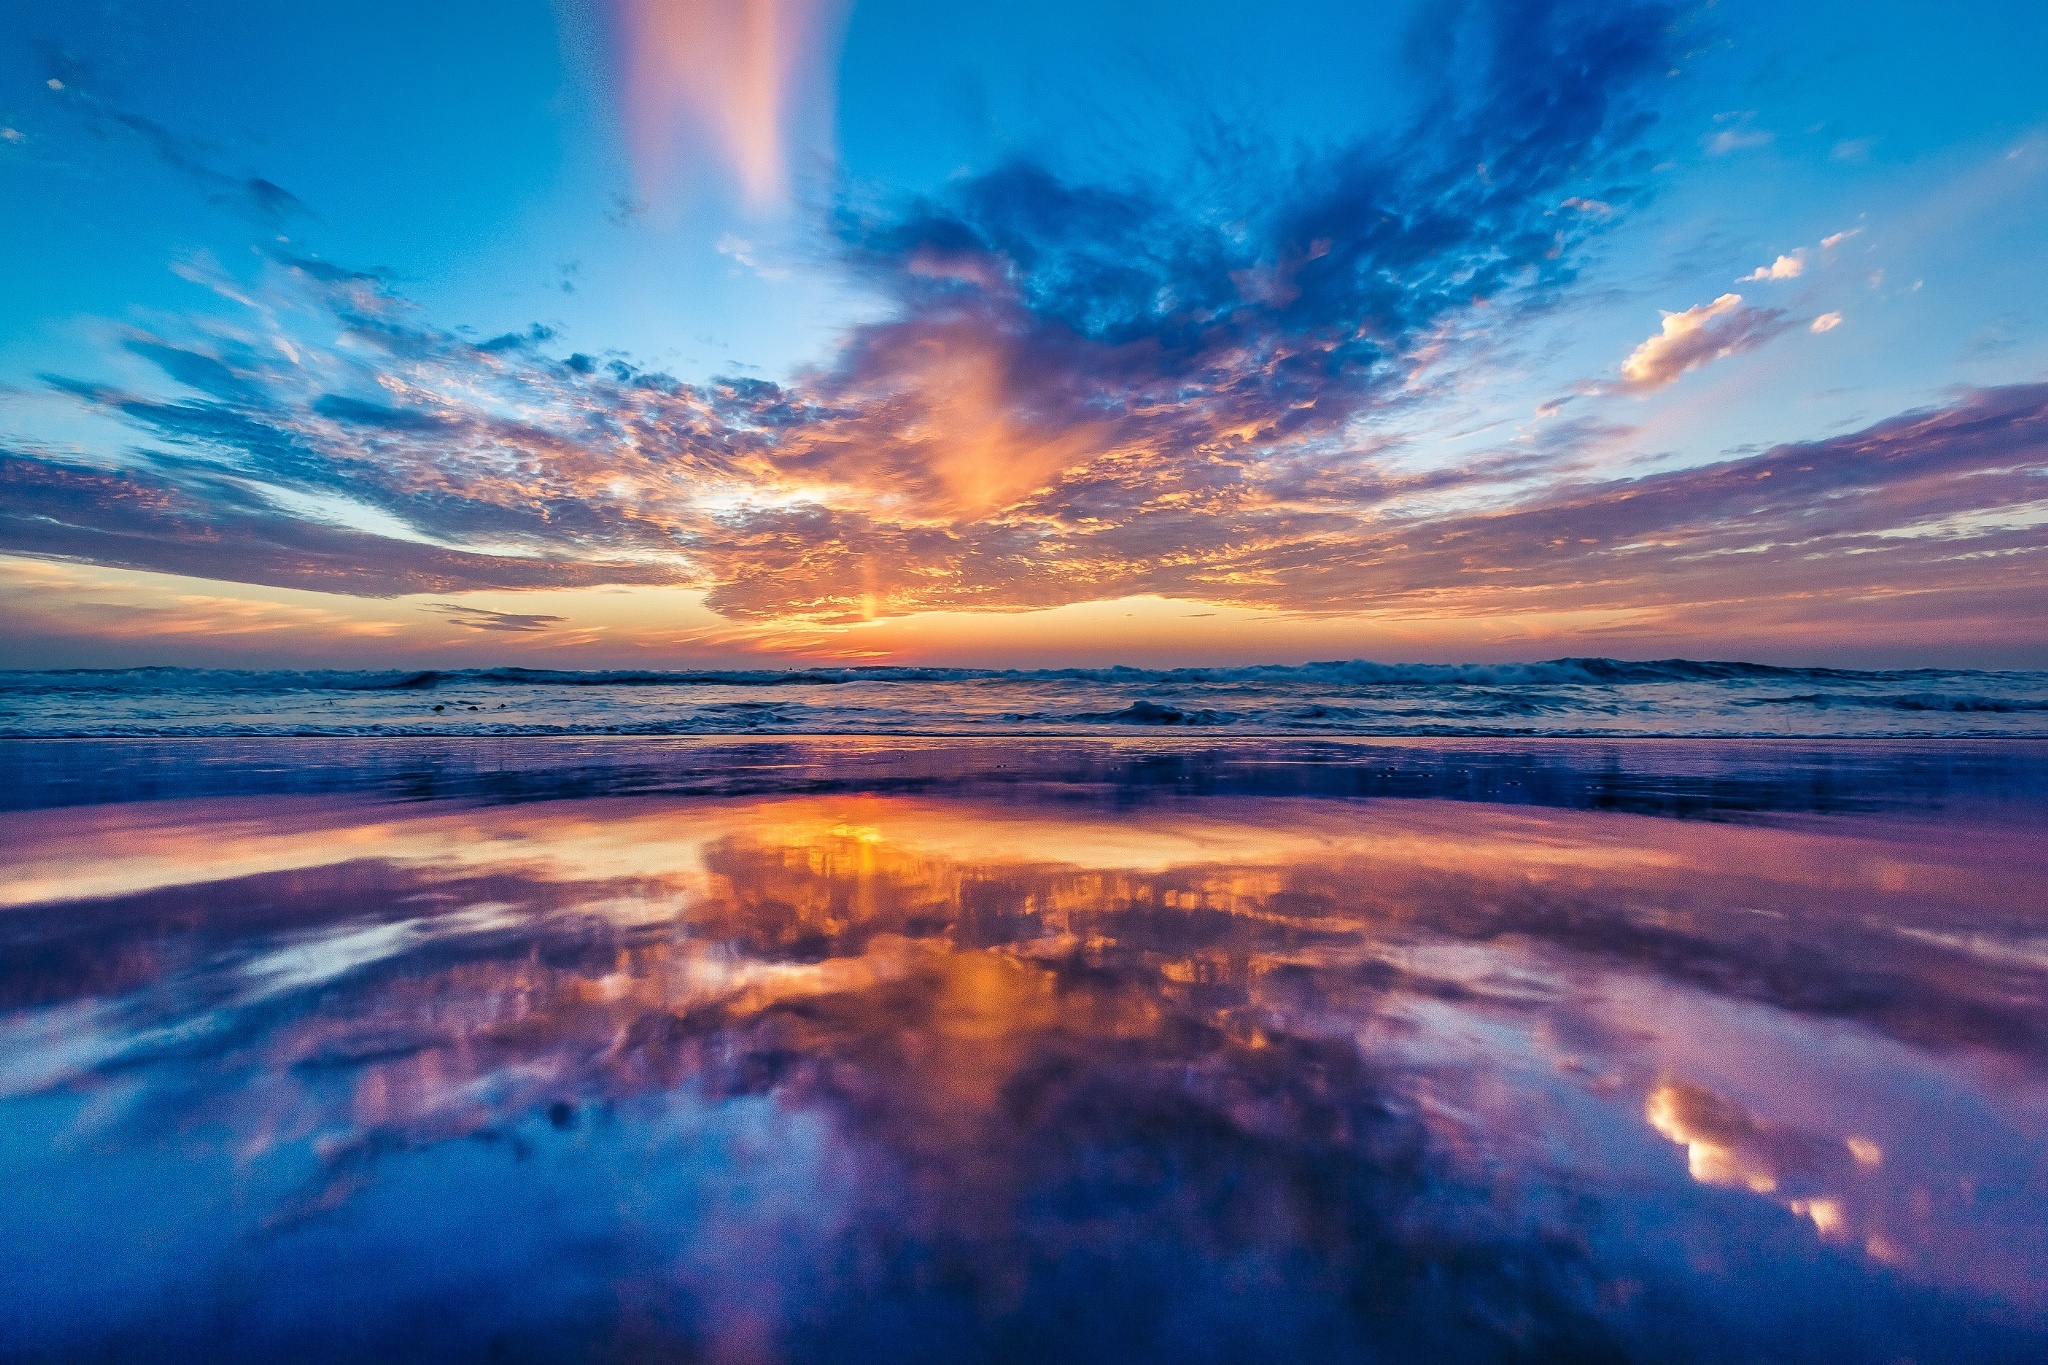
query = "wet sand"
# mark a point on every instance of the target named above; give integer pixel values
(863, 1050)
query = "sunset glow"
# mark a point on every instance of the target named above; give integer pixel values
(802, 331)
(738, 79)
(806, 682)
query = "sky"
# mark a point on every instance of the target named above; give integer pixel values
(643, 333)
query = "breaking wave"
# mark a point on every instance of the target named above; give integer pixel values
(1911, 701)
(1549, 673)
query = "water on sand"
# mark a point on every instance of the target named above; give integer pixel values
(1054, 1050)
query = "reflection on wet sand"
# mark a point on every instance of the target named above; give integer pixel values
(873, 1076)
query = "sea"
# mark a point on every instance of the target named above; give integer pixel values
(1555, 698)
(1373, 1015)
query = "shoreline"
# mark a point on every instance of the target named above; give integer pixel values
(1181, 734)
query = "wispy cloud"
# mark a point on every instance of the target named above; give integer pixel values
(745, 83)
(476, 618)
(184, 518)
(252, 196)
(1736, 134)
(742, 253)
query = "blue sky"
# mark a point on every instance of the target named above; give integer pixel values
(971, 333)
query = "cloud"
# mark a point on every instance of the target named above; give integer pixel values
(741, 251)
(1826, 322)
(1927, 513)
(1195, 389)
(1833, 240)
(1735, 140)
(1939, 504)
(1076, 389)
(206, 525)
(476, 618)
(1787, 267)
(1737, 134)
(252, 197)
(1696, 336)
(748, 83)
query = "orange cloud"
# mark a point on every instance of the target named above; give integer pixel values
(742, 81)
(1698, 335)
(946, 420)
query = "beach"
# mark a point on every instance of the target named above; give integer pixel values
(850, 1049)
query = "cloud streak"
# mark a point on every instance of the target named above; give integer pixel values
(252, 197)
(743, 82)
(507, 622)
(212, 527)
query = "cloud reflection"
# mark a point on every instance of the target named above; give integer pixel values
(1200, 1051)
(1814, 1178)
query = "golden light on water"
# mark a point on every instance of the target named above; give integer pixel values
(902, 979)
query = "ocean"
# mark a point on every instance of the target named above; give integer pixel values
(1581, 1010)
(1555, 698)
